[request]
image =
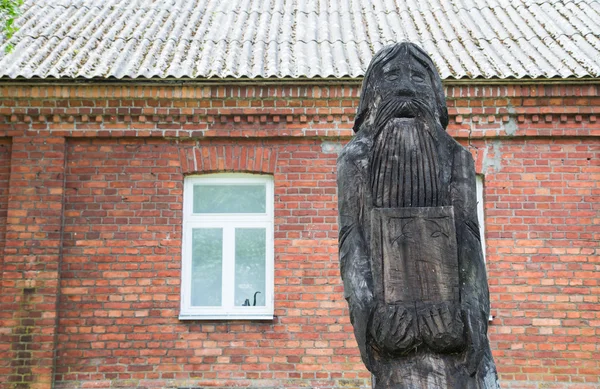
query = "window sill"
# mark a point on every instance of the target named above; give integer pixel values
(195, 316)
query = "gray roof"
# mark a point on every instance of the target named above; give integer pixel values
(300, 38)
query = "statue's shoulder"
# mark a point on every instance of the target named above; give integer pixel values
(460, 154)
(354, 154)
(463, 156)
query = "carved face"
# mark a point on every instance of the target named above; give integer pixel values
(401, 89)
(402, 82)
(407, 79)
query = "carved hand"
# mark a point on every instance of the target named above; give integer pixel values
(393, 327)
(441, 327)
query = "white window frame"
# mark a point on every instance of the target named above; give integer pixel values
(228, 222)
(480, 211)
(481, 217)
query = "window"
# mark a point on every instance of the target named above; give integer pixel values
(480, 215)
(227, 269)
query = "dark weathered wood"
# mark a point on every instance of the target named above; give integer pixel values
(410, 251)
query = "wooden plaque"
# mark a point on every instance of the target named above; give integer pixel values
(414, 255)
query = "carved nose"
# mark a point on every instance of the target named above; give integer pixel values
(406, 88)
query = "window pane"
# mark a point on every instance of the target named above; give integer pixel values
(230, 198)
(207, 273)
(250, 266)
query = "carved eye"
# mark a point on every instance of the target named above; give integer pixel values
(392, 76)
(418, 77)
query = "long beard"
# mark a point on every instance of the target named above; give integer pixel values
(404, 163)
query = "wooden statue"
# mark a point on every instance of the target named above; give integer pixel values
(409, 244)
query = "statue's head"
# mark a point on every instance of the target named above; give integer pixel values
(401, 81)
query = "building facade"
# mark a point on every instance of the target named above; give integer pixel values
(92, 191)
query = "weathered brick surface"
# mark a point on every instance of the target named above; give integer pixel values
(31, 259)
(4, 177)
(542, 227)
(117, 233)
(5, 147)
(121, 272)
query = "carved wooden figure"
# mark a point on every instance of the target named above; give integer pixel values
(410, 250)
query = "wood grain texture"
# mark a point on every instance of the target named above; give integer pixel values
(409, 244)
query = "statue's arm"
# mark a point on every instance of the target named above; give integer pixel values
(353, 248)
(474, 292)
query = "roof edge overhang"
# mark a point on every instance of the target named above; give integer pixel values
(281, 81)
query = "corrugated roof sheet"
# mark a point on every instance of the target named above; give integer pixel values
(300, 38)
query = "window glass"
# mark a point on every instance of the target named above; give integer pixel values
(207, 266)
(229, 198)
(250, 256)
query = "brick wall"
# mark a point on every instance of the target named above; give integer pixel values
(91, 179)
(542, 227)
(4, 177)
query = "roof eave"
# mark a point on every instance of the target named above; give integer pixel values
(282, 81)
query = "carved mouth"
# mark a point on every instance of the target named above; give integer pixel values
(405, 115)
(407, 109)
(399, 108)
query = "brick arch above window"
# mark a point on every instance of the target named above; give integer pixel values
(228, 158)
